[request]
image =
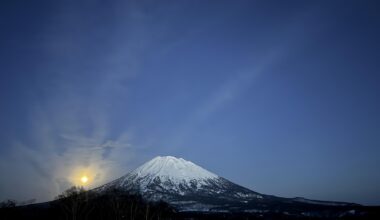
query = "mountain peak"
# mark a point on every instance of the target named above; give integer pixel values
(173, 168)
(167, 158)
(181, 183)
(188, 187)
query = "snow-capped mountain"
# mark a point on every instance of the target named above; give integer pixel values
(189, 187)
(179, 182)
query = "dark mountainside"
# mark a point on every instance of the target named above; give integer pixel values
(173, 188)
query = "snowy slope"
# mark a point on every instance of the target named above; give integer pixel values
(175, 169)
(189, 187)
(181, 183)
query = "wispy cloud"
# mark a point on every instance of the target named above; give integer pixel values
(53, 161)
(226, 93)
(243, 79)
(83, 79)
(68, 128)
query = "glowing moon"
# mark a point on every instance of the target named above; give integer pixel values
(84, 176)
(84, 179)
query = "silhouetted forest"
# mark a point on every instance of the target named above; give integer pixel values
(79, 204)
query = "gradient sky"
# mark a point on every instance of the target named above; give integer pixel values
(280, 97)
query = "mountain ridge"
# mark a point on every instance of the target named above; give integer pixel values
(189, 187)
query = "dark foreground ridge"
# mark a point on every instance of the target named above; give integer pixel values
(78, 204)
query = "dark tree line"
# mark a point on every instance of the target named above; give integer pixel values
(78, 204)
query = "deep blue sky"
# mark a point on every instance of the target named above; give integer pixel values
(280, 97)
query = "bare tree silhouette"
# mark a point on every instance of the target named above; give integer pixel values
(75, 203)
